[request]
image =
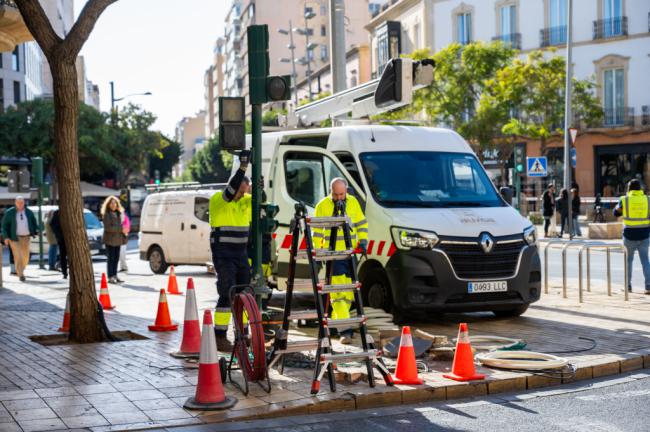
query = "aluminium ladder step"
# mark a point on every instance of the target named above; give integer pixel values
(327, 222)
(325, 289)
(344, 322)
(307, 314)
(298, 346)
(326, 254)
(370, 354)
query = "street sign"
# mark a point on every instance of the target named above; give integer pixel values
(574, 157)
(574, 133)
(536, 166)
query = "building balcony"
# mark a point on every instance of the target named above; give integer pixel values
(610, 28)
(513, 40)
(13, 30)
(618, 117)
(552, 36)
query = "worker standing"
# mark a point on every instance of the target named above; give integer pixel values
(340, 201)
(230, 219)
(635, 209)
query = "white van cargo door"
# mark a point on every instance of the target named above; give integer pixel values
(199, 231)
(175, 223)
(303, 174)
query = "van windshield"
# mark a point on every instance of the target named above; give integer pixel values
(428, 179)
(92, 222)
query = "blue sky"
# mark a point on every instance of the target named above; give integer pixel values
(161, 46)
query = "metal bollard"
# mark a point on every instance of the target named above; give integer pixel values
(625, 273)
(609, 274)
(588, 269)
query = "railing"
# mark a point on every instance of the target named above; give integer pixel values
(584, 245)
(645, 115)
(512, 40)
(552, 36)
(619, 116)
(610, 27)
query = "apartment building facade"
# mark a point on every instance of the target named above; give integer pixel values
(190, 133)
(611, 40)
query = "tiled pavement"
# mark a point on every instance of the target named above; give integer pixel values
(136, 384)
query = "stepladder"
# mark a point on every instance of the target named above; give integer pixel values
(303, 248)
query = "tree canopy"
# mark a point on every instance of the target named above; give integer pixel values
(129, 146)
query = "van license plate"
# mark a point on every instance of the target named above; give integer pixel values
(482, 287)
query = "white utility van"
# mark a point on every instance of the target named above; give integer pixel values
(441, 237)
(175, 228)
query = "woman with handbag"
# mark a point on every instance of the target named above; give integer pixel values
(114, 237)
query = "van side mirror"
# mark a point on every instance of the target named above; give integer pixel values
(506, 194)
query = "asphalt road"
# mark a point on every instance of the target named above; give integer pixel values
(615, 404)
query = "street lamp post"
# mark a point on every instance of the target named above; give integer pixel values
(292, 48)
(114, 99)
(567, 115)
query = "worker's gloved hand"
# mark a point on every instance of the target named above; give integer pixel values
(244, 159)
(363, 245)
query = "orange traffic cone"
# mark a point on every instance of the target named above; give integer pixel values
(163, 320)
(191, 342)
(406, 371)
(209, 389)
(104, 297)
(463, 366)
(172, 283)
(65, 327)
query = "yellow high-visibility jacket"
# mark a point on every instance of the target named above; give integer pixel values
(636, 209)
(358, 224)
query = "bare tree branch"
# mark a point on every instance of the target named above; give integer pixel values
(83, 27)
(39, 25)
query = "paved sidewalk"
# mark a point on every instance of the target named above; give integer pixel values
(136, 384)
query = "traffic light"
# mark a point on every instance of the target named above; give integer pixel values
(264, 88)
(156, 174)
(232, 123)
(268, 212)
(520, 158)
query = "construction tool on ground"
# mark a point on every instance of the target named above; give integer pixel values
(326, 358)
(249, 352)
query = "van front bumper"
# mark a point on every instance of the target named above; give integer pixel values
(424, 280)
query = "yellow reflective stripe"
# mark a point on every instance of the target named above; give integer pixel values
(222, 318)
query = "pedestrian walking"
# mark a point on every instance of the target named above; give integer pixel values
(57, 230)
(230, 219)
(548, 207)
(126, 229)
(575, 211)
(53, 247)
(18, 226)
(563, 208)
(114, 237)
(340, 203)
(635, 209)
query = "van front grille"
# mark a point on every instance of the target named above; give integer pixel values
(471, 262)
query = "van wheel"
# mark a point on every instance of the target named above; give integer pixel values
(157, 262)
(511, 313)
(375, 290)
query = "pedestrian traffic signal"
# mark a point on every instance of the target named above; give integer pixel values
(232, 123)
(278, 88)
(268, 212)
(520, 157)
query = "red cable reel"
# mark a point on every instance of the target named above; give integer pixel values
(249, 346)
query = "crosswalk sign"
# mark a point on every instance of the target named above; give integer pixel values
(536, 166)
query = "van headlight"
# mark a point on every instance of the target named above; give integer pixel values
(405, 238)
(530, 235)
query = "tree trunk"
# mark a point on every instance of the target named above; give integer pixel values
(84, 325)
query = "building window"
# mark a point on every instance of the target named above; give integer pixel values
(464, 28)
(323, 30)
(1, 60)
(416, 36)
(613, 23)
(323, 10)
(557, 20)
(309, 10)
(323, 52)
(389, 43)
(16, 92)
(2, 96)
(15, 59)
(508, 20)
(614, 96)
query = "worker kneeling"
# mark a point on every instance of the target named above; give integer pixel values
(230, 219)
(339, 203)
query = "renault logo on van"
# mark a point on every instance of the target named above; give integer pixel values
(486, 242)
